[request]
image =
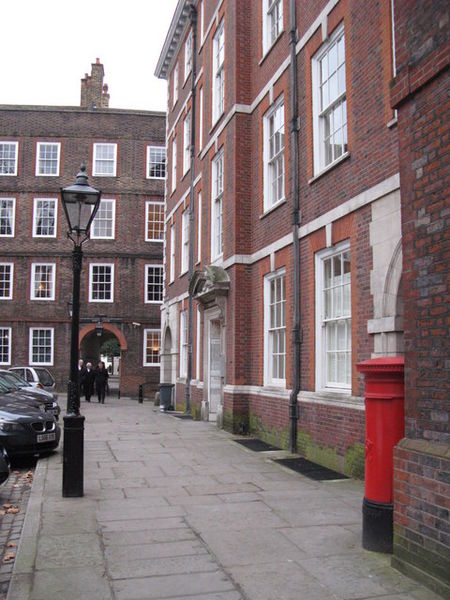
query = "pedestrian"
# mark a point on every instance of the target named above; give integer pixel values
(101, 381)
(88, 382)
(81, 373)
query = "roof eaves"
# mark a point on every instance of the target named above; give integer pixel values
(177, 26)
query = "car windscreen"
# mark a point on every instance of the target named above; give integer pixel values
(16, 379)
(10, 379)
(44, 377)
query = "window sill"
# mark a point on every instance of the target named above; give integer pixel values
(269, 49)
(216, 122)
(392, 123)
(273, 207)
(336, 397)
(330, 167)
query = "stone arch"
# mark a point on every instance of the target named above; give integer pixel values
(87, 329)
(392, 285)
(167, 359)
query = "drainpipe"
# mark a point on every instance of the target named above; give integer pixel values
(193, 19)
(296, 219)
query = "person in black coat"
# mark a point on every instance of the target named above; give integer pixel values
(101, 381)
(88, 382)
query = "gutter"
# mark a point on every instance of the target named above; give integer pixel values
(296, 220)
(193, 21)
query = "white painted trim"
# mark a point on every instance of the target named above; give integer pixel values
(391, 184)
(323, 398)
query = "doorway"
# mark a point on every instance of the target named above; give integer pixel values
(215, 369)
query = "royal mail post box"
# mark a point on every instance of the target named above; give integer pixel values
(385, 427)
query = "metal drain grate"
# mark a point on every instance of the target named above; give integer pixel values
(179, 415)
(310, 469)
(257, 445)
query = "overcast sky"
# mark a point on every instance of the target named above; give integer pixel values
(48, 46)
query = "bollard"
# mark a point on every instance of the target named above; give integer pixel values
(141, 394)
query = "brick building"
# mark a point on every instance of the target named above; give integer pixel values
(285, 265)
(41, 149)
(283, 243)
(422, 459)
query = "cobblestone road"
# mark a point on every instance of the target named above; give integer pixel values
(14, 495)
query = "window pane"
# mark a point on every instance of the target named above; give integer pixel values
(155, 221)
(6, 216)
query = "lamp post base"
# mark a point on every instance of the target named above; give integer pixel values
(73, 456)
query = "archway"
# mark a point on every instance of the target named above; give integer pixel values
(166, 358)
(101, 344)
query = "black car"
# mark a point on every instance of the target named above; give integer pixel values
(14, 382)
(26, 430)
(4, 465)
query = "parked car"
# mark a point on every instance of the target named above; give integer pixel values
(49, 399)
(25, 430)
(4, 465)
(37, 376)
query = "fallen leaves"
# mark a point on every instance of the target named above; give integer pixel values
(9, 556)
(11, 509)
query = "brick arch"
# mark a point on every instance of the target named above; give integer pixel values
(114, 330)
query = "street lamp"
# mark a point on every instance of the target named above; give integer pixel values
(80, 203)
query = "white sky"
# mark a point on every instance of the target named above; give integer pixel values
(50, 45)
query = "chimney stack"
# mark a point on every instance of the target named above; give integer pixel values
(94, 93)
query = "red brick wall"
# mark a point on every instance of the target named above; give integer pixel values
(420, 94)
(77, 129)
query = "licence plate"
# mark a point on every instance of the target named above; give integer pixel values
(46, 437)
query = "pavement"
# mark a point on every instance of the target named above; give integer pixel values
(174, 508)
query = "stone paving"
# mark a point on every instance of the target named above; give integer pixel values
(14, 495)
(174, 508)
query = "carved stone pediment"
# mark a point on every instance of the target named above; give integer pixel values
(209, 284)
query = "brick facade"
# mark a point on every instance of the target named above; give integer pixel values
(342, 206)
(422, 462)
(77, 129)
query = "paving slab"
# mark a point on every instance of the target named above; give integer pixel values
(175, 509)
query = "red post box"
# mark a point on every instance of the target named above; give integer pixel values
(385, 427)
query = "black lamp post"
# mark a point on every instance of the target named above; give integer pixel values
(80, 203)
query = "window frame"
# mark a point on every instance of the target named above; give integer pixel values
(217, 196)
(188, 55)
(149, 162)
(183, 343)
(200, 120)
(322, 382)
(36, 201)
(199, 227)
(187, 124)
(272, 162)
(96, 146)
(268, 9)
(32, 362)
(174, 164)
(10, 295)
(269, 379)
(12, 216)
(91, 282)
(319, 114)
(38, 172)
(172, 254)
(145, 363)
(16, 158)
(160, 204)
(175, 84)
(6, 332)
(147, 283)
(52, 283)
(184, 241)
(218, 75)
(92, 235)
